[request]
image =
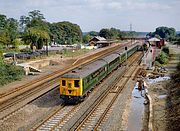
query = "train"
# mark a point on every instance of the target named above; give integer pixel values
(76, 84)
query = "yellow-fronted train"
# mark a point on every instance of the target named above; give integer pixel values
(76, 84)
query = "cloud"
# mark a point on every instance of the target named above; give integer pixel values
(146, 5)
(96, 14)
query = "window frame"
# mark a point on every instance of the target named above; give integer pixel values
(63, 82)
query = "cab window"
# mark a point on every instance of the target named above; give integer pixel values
(76, 83)
(63, 83)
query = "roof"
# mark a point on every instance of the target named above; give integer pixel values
(100, 38)
(154, 39)
(110, 58)
(92, 67)
(85, 70)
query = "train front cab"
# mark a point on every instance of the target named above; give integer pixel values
(70, 89)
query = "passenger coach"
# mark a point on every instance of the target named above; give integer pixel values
(75, 84)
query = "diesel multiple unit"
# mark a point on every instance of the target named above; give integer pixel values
(75, 84)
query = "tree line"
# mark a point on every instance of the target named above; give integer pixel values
(111, 33)
(34, 30)
(166, 33)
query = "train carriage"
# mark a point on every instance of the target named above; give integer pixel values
(75, 84)
(113, 61)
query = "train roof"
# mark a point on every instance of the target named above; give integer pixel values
(111, 57)
(85, 70)
(123, 51)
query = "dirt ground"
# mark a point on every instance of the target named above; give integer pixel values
(165, 98)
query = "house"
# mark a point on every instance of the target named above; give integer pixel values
(98, 41)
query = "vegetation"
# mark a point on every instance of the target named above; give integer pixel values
(165, 33)
(8, 72)
(65, 33)
(86, 38)
(176, 75)
(93, 33)
(8, 31)
(33, 30)
(163, 57)
(114, 33)
(71, 53)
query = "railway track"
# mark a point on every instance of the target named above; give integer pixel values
(55, 74)
(103, 107)
(96, 113)
(28, 92)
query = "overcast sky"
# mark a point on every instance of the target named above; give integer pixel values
(145, 15)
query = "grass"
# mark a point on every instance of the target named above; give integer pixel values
(71, 53)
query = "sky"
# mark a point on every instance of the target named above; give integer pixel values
(144, 15)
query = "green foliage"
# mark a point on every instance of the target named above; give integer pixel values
(86, 38)
(106, 33)
(93, 33)
(65, 32)
(8, 30)
(162, 58)
(70, 53)
(1, 55)
(10, 73)
(12, 27)
(157, 64)
(36, 37)
(166, 50)
(164, 32)
(36, 30)
(27, 50)
(3, 22)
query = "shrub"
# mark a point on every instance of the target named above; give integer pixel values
(10, 73)
(166, 50)
(157, 64)
(162, 58)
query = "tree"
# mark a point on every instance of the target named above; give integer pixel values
(3, 22)
(36, 14)
(36, 37)
(106, 33)
(8, 30)
(36, 30)
(93, 33)
(86, 38)
(24, 20)
(12, 29)
(65, 32)
(115, 32)
(164, 32)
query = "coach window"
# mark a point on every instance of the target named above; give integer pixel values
(63, 83)
(76, 83)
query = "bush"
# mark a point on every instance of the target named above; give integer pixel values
(166, 50)
(157, 64)
(10, 73)
(162, 58)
